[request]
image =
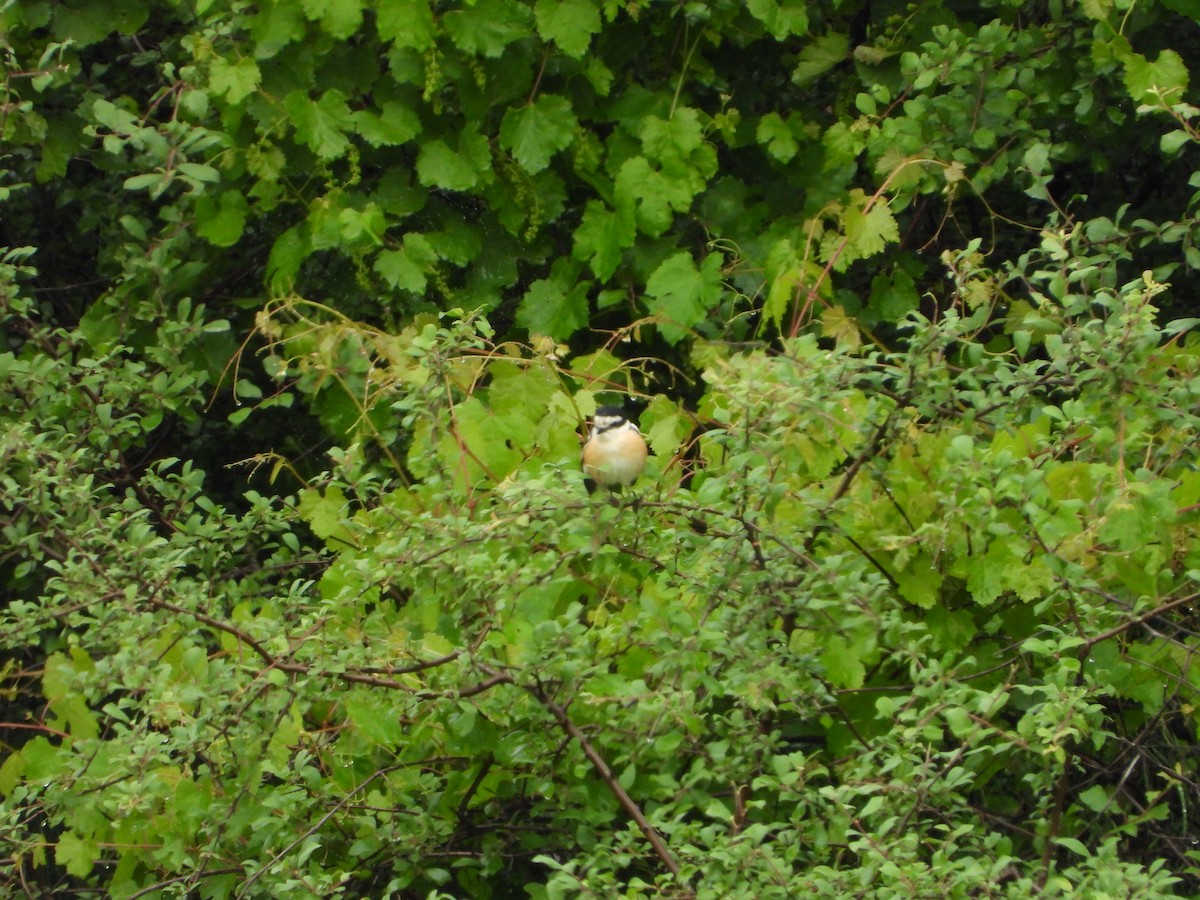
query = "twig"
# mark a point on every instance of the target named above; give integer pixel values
(602, 769)
(316, 827)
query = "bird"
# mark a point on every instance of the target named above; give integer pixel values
(615, 452)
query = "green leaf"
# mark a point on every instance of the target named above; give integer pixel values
(1170, 142)
(440, 166)
(339, 18)
(487, 27)
(199, 172)
(568, 23)
(554, 306)
(920, 583)
(276, 26)
(868, 230)
(1075, 845)
(408, 267)
(1095, 798)
(76, 854)
(653, 196)
(1160, 82)
(603, 236)
(43, 760)
(537, 131)
(843, 664)
(681, 294)
(237, 80)
(1097, 9)
(407, 23)
(1189, 8)
(378, 723)
(820, 56)
(394, 124)
(221, 224)
(783, 18)
(665, 425)
(89, 23)
(841, 326)
(777, 136)
(145, 181)
(326, 514)
(321, 125)
(287, 253)
(672, 141)
(893, 298)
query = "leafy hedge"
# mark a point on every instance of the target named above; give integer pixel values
(904, 603)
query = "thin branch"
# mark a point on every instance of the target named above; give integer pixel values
(316, 827)
(606, 774)
(1140, 620)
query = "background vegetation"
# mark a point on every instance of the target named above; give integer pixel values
(305, 304)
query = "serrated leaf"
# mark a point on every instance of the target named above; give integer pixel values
(843, 664)
(777, 136)
(653, 196)
(394, 124)
(682, 293)
(487, 27)
(1096, 9)
(894, 297)
(602, 237)
(323, 124)
(920, 583)
(554, 309)
(222, 224)
(536, 131)
(407, 23)
(438, 165)
(672, 141)
(568, 23)
(666, 426)
(326, 514)
(338, 18)
(76, 854)
(276, 26)
(288, 251)
(408, 268)
(820, 56)
(379, 725)
(1161, 81)
(782, 18)
(868, 230)
(839, 325)
(236, 80)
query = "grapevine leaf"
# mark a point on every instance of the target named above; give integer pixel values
(681, 294)
(568, 23)
(537, 131)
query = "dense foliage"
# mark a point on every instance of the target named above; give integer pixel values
(305, 304)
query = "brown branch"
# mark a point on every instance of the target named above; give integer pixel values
(354, 677)
(605, 773)
(1140, 620)
(269, 864)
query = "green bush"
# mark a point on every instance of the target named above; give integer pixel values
(303, 591)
